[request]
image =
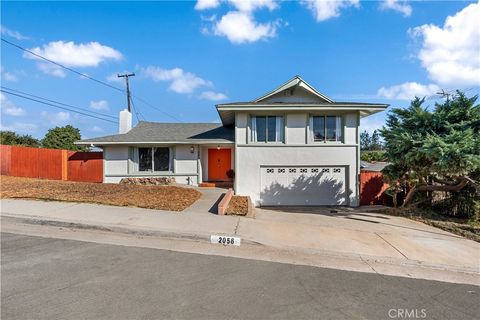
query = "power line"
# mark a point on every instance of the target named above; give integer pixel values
(90, 78)
(55, 106)
(153, 107)
(62, 66)
(137, 112)
(60, 103)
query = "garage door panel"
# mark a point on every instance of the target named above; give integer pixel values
(297, 186)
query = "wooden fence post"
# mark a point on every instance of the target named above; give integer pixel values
(64, 165)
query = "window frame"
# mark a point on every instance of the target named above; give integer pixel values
(253, 135)
(339, 121)
(136, 159)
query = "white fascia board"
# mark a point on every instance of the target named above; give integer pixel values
(300, 107)
(106, 143)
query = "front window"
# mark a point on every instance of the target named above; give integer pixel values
(154, 159)
(267, 129)
(326, 128)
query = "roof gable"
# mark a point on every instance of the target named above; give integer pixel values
(294, 90)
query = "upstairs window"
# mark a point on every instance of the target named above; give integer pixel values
(326, 128)
(267, 129)
(154, 159)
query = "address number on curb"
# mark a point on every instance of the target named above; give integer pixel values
(227, 241)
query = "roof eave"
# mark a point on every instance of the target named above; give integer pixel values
(106, 143)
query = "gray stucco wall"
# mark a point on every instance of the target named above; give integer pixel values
(116, 165)
(298, 150)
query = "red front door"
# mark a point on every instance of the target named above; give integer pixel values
(219, 162)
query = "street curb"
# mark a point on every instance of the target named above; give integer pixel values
(114, 229)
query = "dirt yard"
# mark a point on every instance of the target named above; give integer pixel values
(238, 206)
(153, 197)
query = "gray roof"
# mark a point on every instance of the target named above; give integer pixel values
(373, 166)
(333, 104)
(156, 132)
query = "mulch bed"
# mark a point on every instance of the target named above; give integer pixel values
(171, 198)
(238, 206)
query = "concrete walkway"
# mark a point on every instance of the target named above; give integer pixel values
(365, 239)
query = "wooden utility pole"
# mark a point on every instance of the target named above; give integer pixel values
(126, 75)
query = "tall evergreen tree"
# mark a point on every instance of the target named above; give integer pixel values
(434, 150)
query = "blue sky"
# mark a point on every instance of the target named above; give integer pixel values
(189, 55)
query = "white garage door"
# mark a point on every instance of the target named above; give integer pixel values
(303, 186)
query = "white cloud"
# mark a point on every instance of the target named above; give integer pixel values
(7, 76)
(251, 5)
(396, 5)
(326, 9)
(21, 127)
(9, 108)
(99, 105)
(372, 123)
(11, 33)
(51, 69)
(180, 81)
(241, 27)
(114, 78)
(213, 96)
(408, 91)
(96, 129)
(451, 54)
(72, 55)
(206, 4)
(56, 119)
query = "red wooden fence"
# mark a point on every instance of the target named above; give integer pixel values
(85, 166)
(372, 188)
(51, 164)
(5, 152)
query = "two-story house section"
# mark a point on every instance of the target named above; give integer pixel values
(291, 147)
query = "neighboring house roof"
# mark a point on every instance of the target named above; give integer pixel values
(374, 166)
(155, 132)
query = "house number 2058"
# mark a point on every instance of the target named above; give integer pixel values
(235, 241)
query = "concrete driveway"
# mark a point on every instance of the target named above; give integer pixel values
(350, 239)
(355, 232)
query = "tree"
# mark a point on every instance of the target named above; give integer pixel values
(375, 142)
(63, 138)
(370, 142)
(365, 141)
(433, 150)
(14, 139)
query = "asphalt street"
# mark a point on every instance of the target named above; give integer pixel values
(45, 278)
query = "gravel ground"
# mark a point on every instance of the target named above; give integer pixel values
(172, 198)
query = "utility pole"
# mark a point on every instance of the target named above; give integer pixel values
(444, 94)
(126, 75)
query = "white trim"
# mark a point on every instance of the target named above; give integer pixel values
(298, 106)
(291, 83)
(171, 161)
(135, 143)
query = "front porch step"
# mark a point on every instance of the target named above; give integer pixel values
(216, 184)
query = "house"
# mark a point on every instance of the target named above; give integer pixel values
(294, 146)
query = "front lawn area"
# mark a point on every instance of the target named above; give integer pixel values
(469, 229)
(153, 197)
